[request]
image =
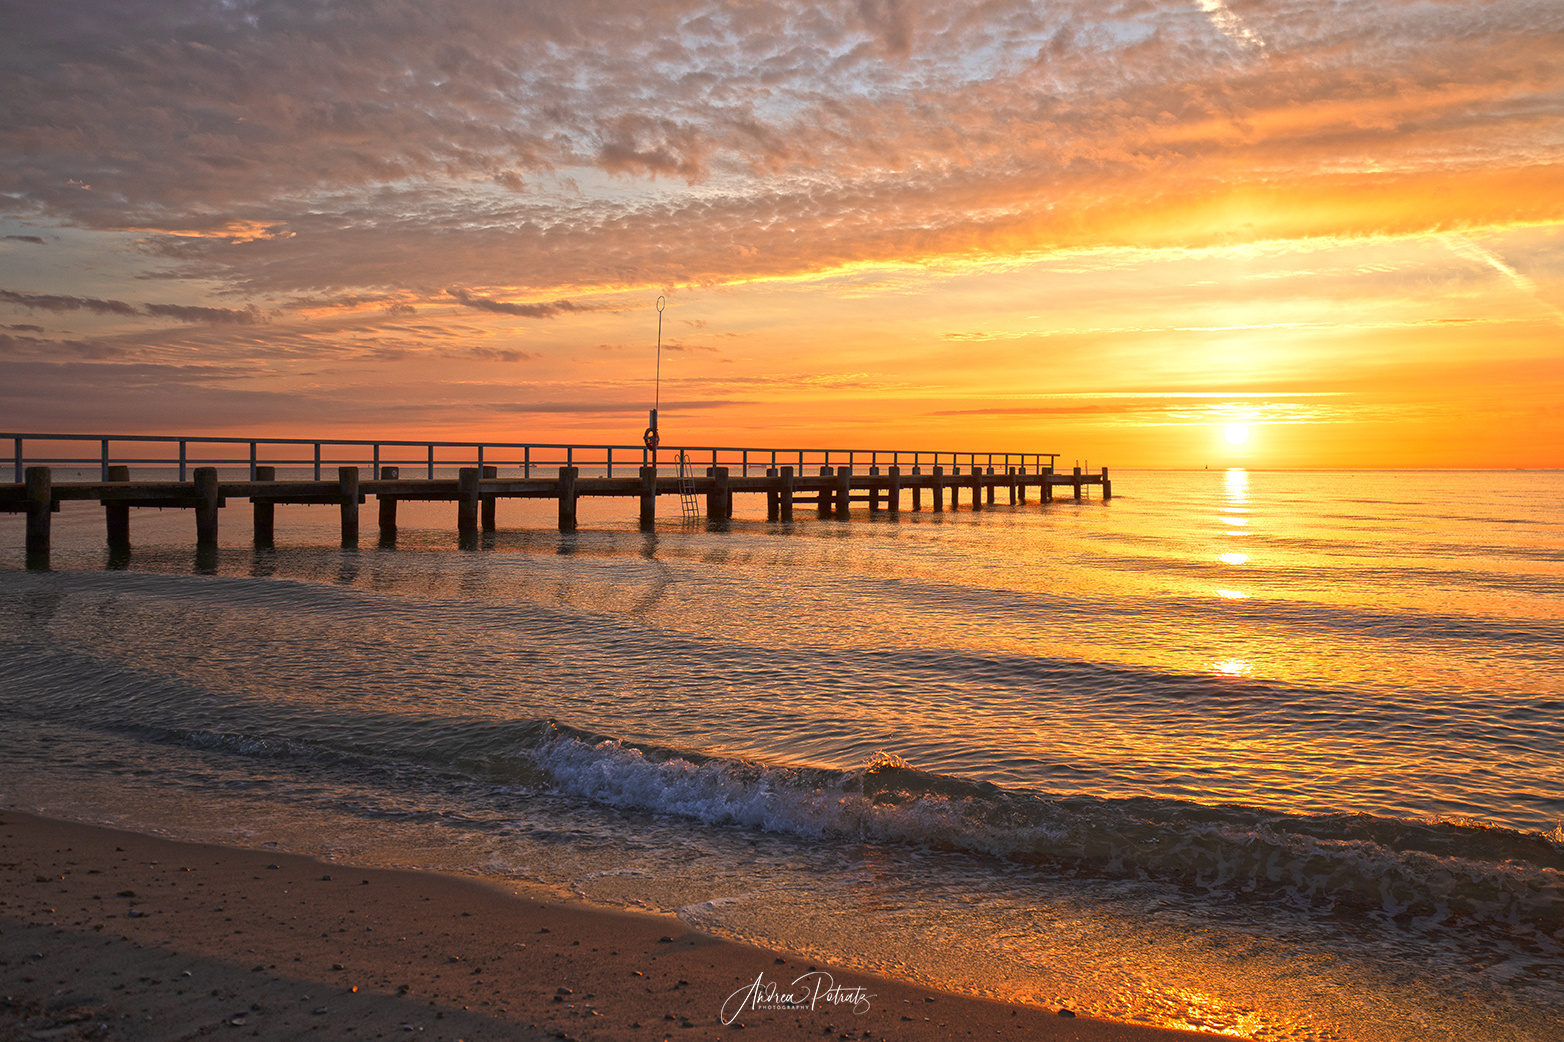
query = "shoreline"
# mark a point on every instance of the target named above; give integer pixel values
(112, 934)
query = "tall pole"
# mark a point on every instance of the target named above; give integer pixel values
(652, 437)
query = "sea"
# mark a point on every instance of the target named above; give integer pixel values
(1276, 754)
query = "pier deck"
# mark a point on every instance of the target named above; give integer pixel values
(829, 490)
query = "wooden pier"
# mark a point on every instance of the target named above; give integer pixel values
(832, 490)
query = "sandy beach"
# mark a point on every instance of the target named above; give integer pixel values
(111, 934)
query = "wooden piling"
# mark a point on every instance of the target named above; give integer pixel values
(977, 488)
(917, 490)
(207, 502)
(347, 484)
(825, 494)
(1010, 472)
(387, 505)
(937, 480)
(567, 498)
(874, 492)
(844, 477)
(116, 516)
(263, 512)
(40, 505)
(467, 479)
(893, 494)
(1107, 486)
(486, 503)
(785, 496)
(648, 498)
(992, 487)
(1047, 486)
(773, 500)
(719, 501)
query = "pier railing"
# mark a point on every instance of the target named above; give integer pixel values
(300, 457)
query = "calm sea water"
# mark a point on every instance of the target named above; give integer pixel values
(1277, 754)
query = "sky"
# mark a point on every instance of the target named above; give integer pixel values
(1113, 231)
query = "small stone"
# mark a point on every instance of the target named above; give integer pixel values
(325, 879)
(1066, 1013)
(665, 940)
(122, 893)
(274, 866)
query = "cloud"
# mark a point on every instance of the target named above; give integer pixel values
(609, 408)
(56, 302)
(501, 354)
(220, 316)
(499, 307)
(178, 312)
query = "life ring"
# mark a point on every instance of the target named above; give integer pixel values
(651, 438)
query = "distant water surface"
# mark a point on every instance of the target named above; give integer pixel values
(1270, 753)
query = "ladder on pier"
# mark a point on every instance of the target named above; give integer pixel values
(689, 505)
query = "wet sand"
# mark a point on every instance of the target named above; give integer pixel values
(107, 934)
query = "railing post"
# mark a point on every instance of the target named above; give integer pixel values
(526, 461)
(317, 461)
(18, 478)
(431, 461)
(103, 471)
(610, 471)
(181, 459)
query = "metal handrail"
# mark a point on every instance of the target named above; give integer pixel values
(523, 455)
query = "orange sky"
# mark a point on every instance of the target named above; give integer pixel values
(1103, 231)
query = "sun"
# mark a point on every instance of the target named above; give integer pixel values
(1236, 433)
